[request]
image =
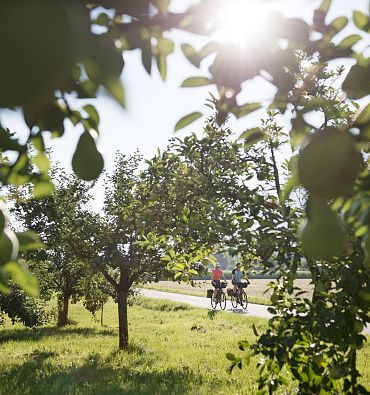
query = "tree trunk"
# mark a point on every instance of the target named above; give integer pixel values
(101, 314)
(353, 371)
(276, 171)
(122, 320)
(63, 304)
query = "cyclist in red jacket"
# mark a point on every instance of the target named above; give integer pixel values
(216, 278)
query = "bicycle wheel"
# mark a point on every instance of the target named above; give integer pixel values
(244, 300)
(234, 301)
(214, 301)
(223, 301)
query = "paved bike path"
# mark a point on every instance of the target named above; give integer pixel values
(253, 310)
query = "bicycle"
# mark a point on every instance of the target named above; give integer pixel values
(240, 297)
(220, 298)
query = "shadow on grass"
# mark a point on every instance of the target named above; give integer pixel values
(24, 334)
(120, 373)
(212, 314)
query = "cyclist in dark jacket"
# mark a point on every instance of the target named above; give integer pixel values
(236, 277)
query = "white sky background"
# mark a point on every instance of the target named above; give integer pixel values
(154, 107)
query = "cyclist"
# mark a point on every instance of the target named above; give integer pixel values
(236, 277)
(216, 276)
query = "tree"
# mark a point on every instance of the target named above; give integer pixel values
(127, 215)
(79, 61)
(306, 336)
(22, 308)
(189, 201)
(76, 69)
(58, 219)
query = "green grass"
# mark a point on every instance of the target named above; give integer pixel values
(174, 349)
(257, 290)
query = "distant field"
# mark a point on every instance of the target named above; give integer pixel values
(258, 291)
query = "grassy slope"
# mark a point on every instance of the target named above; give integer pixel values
(174, 350)
(256, 290)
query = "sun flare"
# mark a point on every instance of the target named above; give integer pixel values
(241, 21)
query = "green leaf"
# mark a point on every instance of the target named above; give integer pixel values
(19, 174)
(42, 162)
(314, 103)
(339, 23)
(162, 66)
(162, 6)
(354, 84)
(7, 142)
(350, 41)
(361, 20)
(324, 6)
(42, 189)
(87, 161)
(106, 62)
(196, 81)
(29, 240)
(3, 220)
(255, 330)
(187, 120)
(102, 19)
(191, 54)
(115, 88)
(165, 46)
(289, 186)
(9, 246)
(26, 280)
(252, 136)
(230, 356)
(146, 56)
(247, 108)
(208, 49)
(93, 114)
(364, 117)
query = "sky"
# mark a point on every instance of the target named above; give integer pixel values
(154, 106)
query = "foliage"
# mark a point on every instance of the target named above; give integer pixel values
(59, 220)
(23, 308)
(78, 61)
(214, 204)
(306, 336)
(96, 291)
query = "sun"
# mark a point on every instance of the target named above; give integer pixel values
(241, 21)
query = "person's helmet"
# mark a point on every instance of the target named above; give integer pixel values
(217, 264)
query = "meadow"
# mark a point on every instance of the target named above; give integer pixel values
(258, 291)
(175, 349)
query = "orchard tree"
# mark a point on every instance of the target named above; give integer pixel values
(23, 308)
(215, 172)
(306, 336)
(79, 48)
(127, 215)
(58, 219)
(189, 201)
(96, 292)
